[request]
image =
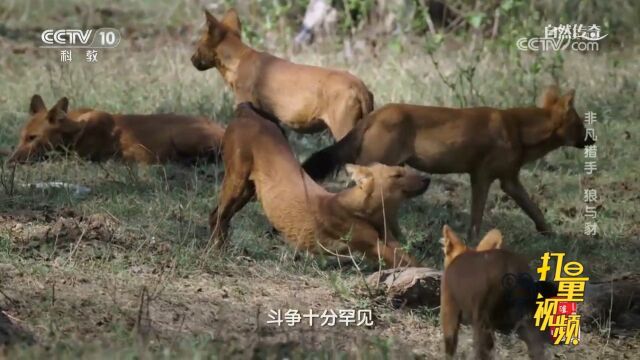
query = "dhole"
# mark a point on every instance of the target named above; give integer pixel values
(97, 135)
(305, 98)
(491, 288)
(486, 143)
(258, 160)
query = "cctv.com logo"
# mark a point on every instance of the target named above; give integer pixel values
(555, 44)
(70, 38)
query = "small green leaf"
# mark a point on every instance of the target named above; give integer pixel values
(475, 19)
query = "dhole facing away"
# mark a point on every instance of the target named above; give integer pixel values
(97, 135)
(305, 98)
(491, 288)
(258, 160)
(486, 143)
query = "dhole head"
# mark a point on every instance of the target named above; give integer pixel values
(570, 127)
(391, 183)
(45, 130)
(206, 55)
(452, 246)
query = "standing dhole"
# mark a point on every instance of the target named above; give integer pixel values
(486, 143)
(492, 289)
(305, 98)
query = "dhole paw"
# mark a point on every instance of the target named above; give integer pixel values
(545, 230)
(218, 244)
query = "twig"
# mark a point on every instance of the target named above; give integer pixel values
(8, 188)
(76, 245)
(10, 317)
(496, 23)
(610, 311)
(53, 293)
(11, 300)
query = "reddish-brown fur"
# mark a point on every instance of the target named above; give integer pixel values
(486, 143)
(97, 135)
(473, 290)
(305, 98)
(258, 160)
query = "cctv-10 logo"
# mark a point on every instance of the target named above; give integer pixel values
(69, 38)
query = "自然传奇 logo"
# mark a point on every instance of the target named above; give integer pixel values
(576, 37)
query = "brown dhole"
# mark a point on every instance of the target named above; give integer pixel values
(258, 160)
(491, 288)
(486, 143)
(97, 135)
(305, 98)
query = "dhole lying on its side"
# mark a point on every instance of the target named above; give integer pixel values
(491, 288)
(486, 143)
(97, 135)
(305, 98)
(258, 160)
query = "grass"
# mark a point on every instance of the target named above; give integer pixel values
(146, 227)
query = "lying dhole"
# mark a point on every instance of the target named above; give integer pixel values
(258, 160)
(97, 135)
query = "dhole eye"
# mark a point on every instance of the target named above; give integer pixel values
(30, 138)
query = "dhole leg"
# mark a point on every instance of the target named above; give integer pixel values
(450, 322)
(482, 341)
(479, 190)
(368, 242)
(344, 115)
(393, 255)
(513, 187)
(236, 192)
(344, 124)
(534, 339)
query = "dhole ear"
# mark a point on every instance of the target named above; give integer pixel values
(59, 111)
(232, 21)
(492, 240)
(362, 176)
(216, 30)
(450, 241)
(550, 97)
(211, 20)
(62, 104)
(355, 171)
(36, 105)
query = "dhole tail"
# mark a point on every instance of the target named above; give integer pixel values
(328, 160)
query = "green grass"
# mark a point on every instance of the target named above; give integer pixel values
(157, 215)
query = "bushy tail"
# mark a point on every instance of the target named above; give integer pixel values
(330, 159)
